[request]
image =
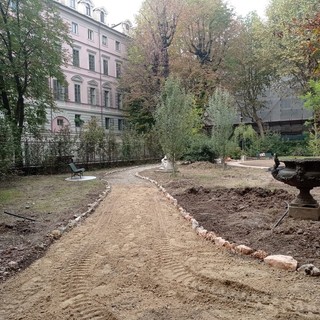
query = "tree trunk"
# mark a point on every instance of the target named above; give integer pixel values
(18, 131)
(259, 123)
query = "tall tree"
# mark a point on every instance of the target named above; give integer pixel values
(175, 119)
(148, 59)
(251, 69)
(222, 114)
(289, 45)
(207, 31)
(312, 102)
(204, 34)
(32, 35)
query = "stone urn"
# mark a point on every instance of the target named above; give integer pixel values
(304, 174)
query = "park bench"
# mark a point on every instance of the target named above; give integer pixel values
(75, 171)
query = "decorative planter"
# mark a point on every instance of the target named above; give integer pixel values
(304, 174)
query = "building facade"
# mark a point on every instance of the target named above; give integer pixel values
(283, 112)
(96, 59)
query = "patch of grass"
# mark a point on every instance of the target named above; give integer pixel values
(49, 193)
(9, 195)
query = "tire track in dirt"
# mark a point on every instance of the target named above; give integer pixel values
(241, 295)
(136, 258)
(75, 301)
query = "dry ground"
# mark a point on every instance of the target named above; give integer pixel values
(51, 202)
(135, 257)
(243, 204)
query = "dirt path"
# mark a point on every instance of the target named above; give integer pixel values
(136, 258)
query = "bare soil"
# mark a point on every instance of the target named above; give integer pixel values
(248, 213)
(51, 202)
(136, 258)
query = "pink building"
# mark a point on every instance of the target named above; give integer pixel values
(96, 60)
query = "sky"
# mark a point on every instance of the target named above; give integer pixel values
(243, 7)
(120, 10)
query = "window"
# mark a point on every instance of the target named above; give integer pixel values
(91, 62)
(106, 98)
(88, 10)
(119, 101)
(72, 3)
(74, 28)
(75, 57)
(105, 66)
(13, 5)
(60, 92)
(118, 46)
(101, 16)
(107, 123)
(118, 70)
(60, 122)
(92, 96)
(120, 124)
(77, 120)
(104, 40)
(90, 34)
(77, 93)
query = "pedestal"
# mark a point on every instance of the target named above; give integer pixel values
(304, 213)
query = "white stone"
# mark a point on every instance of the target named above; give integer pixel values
(220, 242)
(13, 264)
(281, 262)
(201, 231)
(195, 223)
(310, 269)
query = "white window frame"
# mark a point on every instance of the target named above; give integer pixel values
(77, 93)
(118, 45)
(92, 62)
(72, 4)
(106, 98)
(92, 96)
(74, 28)
(105, 67)
(102, 17)
(104, 40)
(75, 62)
(90, 34)
(118, 69)
(88, 10)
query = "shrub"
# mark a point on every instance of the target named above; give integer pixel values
(200, 149)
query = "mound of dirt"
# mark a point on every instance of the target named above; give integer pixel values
(247, 216)
(201, 165)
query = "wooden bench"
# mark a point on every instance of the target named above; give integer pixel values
(76, 171)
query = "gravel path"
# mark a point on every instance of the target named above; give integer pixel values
(135, 257)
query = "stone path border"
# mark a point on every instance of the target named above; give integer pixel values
(277, 261)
